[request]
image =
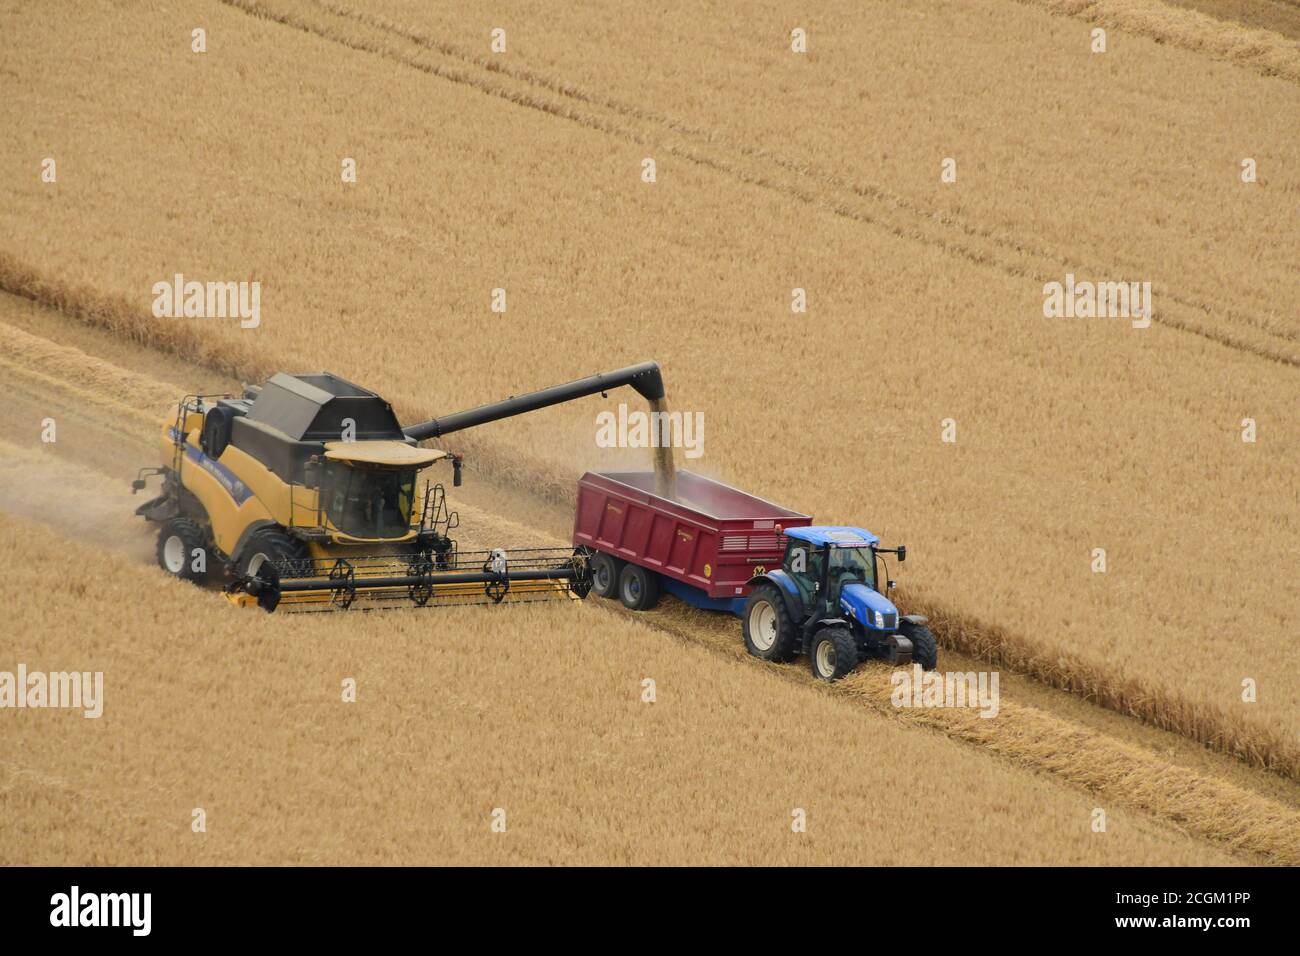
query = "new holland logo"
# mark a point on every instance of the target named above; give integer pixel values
(225, 477)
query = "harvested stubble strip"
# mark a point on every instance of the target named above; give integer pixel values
(1231, 734)
(1207, 807)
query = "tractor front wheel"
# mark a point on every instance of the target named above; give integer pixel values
(834, 653)
(638, 588)
(769, 631)
(925, 650)
(605, 571)
(183, 549)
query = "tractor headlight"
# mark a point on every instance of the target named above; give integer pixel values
(879, 619)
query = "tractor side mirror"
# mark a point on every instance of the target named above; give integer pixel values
(137, 485)
(455, 472)
(902, 553)
(311, 474)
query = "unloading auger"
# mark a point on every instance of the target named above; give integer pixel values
(303, 493)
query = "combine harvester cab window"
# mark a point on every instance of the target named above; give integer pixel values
(368, 502)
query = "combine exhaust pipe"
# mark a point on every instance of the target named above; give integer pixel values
(645, 378)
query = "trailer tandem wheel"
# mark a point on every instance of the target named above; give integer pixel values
(605, 571)
(638, 588)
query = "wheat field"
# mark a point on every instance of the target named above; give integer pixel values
(444, 731)
(522, 171)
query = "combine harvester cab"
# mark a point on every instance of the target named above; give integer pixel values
(305, 491)
(797, 588)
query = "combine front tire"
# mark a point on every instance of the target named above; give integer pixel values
(925, 651)
(769, 632)
(834, 653)
(276, 546)
(605, 571)
(638, 588)
(183, 549)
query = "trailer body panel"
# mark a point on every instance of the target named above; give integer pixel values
(712, 537)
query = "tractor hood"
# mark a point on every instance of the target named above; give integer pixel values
(862, 603)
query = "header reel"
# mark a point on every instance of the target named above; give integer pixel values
(416, 578)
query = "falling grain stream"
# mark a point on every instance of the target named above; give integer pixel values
(665, 466)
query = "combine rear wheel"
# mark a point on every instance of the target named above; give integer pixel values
(183, 549)
(834, 653)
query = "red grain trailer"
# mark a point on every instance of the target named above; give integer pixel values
(702, 547)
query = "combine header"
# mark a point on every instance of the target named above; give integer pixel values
(304, 492)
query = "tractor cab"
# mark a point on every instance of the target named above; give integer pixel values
(826, 601)
(820, 561)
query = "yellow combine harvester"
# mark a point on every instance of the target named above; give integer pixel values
(303, 491)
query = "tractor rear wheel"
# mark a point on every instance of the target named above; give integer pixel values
(769, 631)
(834, 653)
(274, 545)
(925, 650)
(183, 549)
(638, 588)
(605, 571)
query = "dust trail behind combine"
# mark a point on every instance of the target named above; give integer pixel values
(81, 504)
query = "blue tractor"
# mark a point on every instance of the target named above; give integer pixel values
(825, 601)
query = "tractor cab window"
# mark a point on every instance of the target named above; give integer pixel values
(859, 562)
(805, 563)
(368, 502)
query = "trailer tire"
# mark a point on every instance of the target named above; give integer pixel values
(178, 539)
(925, 650)
(275, 545)
(769, 632)
(833, 654)
(605, 572)
(638, 588)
